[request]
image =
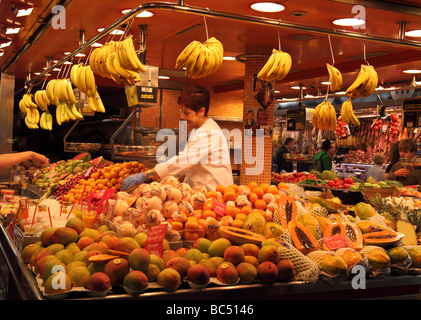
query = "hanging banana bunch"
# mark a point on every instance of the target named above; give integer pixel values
(365, 84)
(335, 78)
(324, 116)
(277, 66)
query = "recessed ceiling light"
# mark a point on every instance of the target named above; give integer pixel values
(6, 44)
(413, 33)
(116, 32)
(1, 53)
(268, 7)
(412, 71)
(325, 83)
(227, 58)
(96, 44)
(24, 12)
(13, 30)
(349, 22)
(297, 87)
(76, 55)
(143, 14)
(163, 77)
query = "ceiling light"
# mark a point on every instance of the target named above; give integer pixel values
(227, 58)
(143, 14)
(325, 83)
(1, 53)
(13, 30)
(413, 33)
(76, 55)
(24, 12)
(116, 32)
(6, 44)
(267, 7)
(412, 71)
(163, 77)
(297, 87)
(349, 22)
(96, 44)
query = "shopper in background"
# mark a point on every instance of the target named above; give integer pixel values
(376, 171)
(8, 160)
(287, 147)
(393, 155)
(402, 170)
(210, 168)
(324, 159)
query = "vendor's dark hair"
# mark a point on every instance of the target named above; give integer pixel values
(326, 144)
(288, 140)
(408, 145)
(195, 97)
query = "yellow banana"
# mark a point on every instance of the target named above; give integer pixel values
(320, 116)
(81, 79)
(91, 103)
(59, 115)
(29, 124)
(75, 111)
(326, 116)
(344, 111)
(22, 106)
(49, 121)
(99, 106)
(92, 60)
(335, 78)
(28, 101)
(333, 120)
(74, 75)
(350, 112)
(42, 122)
(50, 90)
(372, 83)
(191, 60)
(182, 57)
(70, 93)
(316, 115)
(69, 112)
(287, 63)
(132, 56)
(267, 66)
(122, 71)
(275, 67)
(196, 69)
(360, 82)
(90, 81)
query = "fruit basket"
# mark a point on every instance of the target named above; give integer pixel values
(392, 191)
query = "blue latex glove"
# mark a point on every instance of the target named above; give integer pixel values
(133, 180)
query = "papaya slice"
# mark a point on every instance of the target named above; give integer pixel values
(287, 210)
(382, 238)
(330, 205)
(240, 236)
(349, 231)
(302, 238)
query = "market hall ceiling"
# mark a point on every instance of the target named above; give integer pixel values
(168, 32)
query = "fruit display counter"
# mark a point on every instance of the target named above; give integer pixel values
(168, 240)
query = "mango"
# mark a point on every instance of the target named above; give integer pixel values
(268, 253)
(209, 265)
(98, 246)
(116, 270)
(46, 236)
(64, 256)
(180, 264)
(250, 249)
(42, 261)
(83, 242)
(79, 276)
(193, 254)
(152, 272)
(139, 259)
(136, 281)
(273, 230)
(227, 273)
(251, 259)
(415, 254)
(169, 278)
(39, 255)
(55, 247)
(198, 274)
(92, 233)
(110, 240)
(216, 260)
(28, 251)
(247, 272)
(59, 282)
(51, 268)
(65, 235)
(126, 244)
(72, 247)
(234, 254)
(75, 223)
(202, 244)
(74, 264)
(267, 272)
(286, 270)
(156, 260)
(333, 265)
(80, 256)
(98, 281)
(398, 255)
(141, 238)
(218, 246)
(168, 254)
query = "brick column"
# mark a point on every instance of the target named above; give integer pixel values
(257, 57)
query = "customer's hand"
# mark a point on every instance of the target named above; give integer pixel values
(403, 172)
(43, 160)
(133, 180)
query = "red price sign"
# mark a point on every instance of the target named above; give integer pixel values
(218, 208)
(335, 242)
(154, 240)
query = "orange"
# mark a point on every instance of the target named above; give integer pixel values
(252, 185)
(221, 199)
(211, 194)
(220, 188)
(192, 236)
(208, 213)
(234, 186)
(259, 192)
(191, 224)
(177, 225)
(208, 205)
(231, 211)
(226, 221)
(94, 175)
(237, 223)
(260, 204)
(246, 210)
(272, 189)
(230, 196)
(229, 190)
(240, 216)
(265, 186)
(253, 197)
(202, 223)
(107, 175)
(282, 185)
(197, 213)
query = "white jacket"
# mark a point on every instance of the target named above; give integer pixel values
(205, 159)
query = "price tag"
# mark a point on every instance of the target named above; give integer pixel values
(154, 240)
(384, 128)
(335, 242)
(218, 208)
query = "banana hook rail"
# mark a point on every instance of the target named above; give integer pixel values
(181, 8)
